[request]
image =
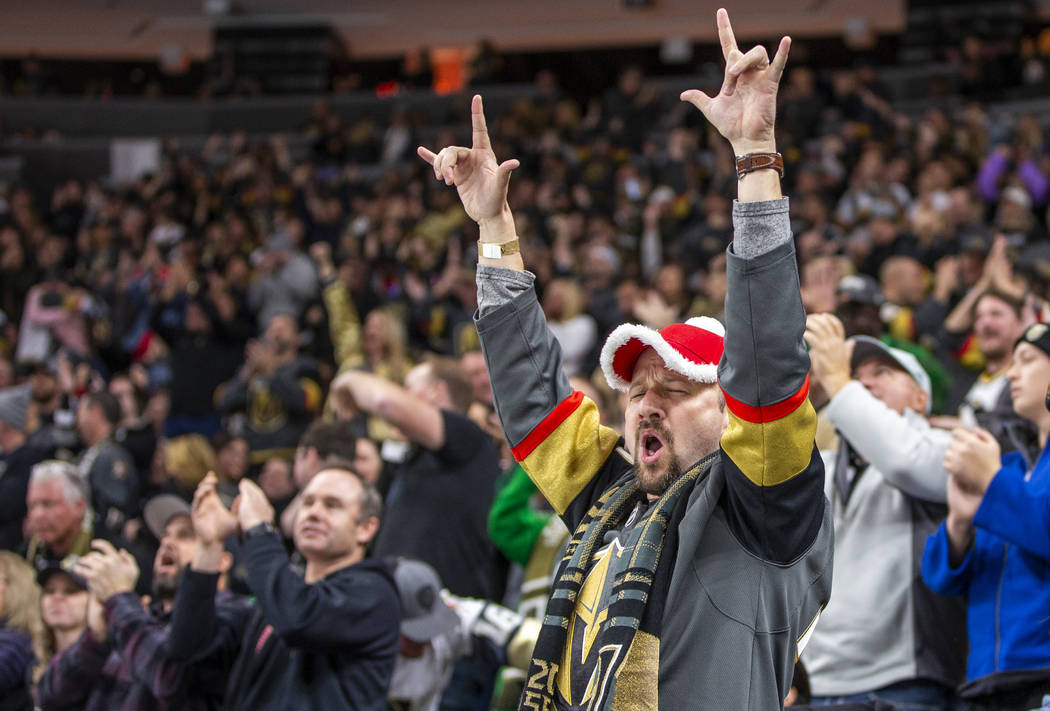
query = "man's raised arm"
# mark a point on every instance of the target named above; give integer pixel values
(774, 473)
(553, 431)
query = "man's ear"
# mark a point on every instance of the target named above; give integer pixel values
(920, 400)
(367, 529)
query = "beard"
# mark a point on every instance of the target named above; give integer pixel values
(650, 478)
(165, 587)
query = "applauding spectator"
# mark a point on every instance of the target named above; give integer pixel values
(994, 546)
(121, 661)
(324, 639)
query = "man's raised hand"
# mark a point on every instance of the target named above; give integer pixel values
(107, 571)
(212, 523)
(745, 108)
(481, 180)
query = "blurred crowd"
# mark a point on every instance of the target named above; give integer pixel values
(245, 313)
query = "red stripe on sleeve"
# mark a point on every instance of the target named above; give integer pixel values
(767, 413)
(547, 425)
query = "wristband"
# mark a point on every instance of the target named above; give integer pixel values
(751, 162)
(259, 529)
(493, 250)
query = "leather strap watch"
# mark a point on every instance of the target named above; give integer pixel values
(495, 250)
(759, 161)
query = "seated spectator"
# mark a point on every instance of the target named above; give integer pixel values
(106, 466)
(57, 522)
(21, 632)
(883, 636)
(120, 662)
(277, 390)
(286, 653)
(63, 606)
(993, 547)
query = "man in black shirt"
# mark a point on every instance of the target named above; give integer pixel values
(428, 517)
(327, 639)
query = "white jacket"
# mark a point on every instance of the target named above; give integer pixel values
(883, 625)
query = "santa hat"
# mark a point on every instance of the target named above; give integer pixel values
(692, 349)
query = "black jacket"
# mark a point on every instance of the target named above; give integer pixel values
(327, 645)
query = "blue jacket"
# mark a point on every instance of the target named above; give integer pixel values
(1006, 573)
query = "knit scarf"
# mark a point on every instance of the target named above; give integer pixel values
(632, 588)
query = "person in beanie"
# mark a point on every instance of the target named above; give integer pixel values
(431, 639)
(701, 547)
(17, 457)
(994, 547)
(439, 627)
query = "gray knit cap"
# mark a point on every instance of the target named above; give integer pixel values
(14, 402)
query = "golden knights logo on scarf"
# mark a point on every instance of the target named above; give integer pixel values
(578, 629)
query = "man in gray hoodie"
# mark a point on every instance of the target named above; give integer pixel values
(884, 635)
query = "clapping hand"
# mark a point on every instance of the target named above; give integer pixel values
(212, 522)
(972, 457)
(254, 507)
(107, 571)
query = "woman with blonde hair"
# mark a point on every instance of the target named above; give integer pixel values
(22, 647)
(187, 459)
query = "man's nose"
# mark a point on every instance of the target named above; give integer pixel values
(651, 406)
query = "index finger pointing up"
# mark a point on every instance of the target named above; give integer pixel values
(477, 120)
(780, 59)
(725, 32)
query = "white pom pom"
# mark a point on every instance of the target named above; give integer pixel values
(708, 324)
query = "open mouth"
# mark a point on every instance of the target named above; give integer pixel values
(651, 447)
(167, 561)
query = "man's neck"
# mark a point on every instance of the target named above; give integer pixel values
(995, 366)
(63, 546)
(97, 437)
(319, 568)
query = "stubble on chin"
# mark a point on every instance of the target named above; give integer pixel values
(653, 481)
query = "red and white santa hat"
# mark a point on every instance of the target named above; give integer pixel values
(692, 349)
